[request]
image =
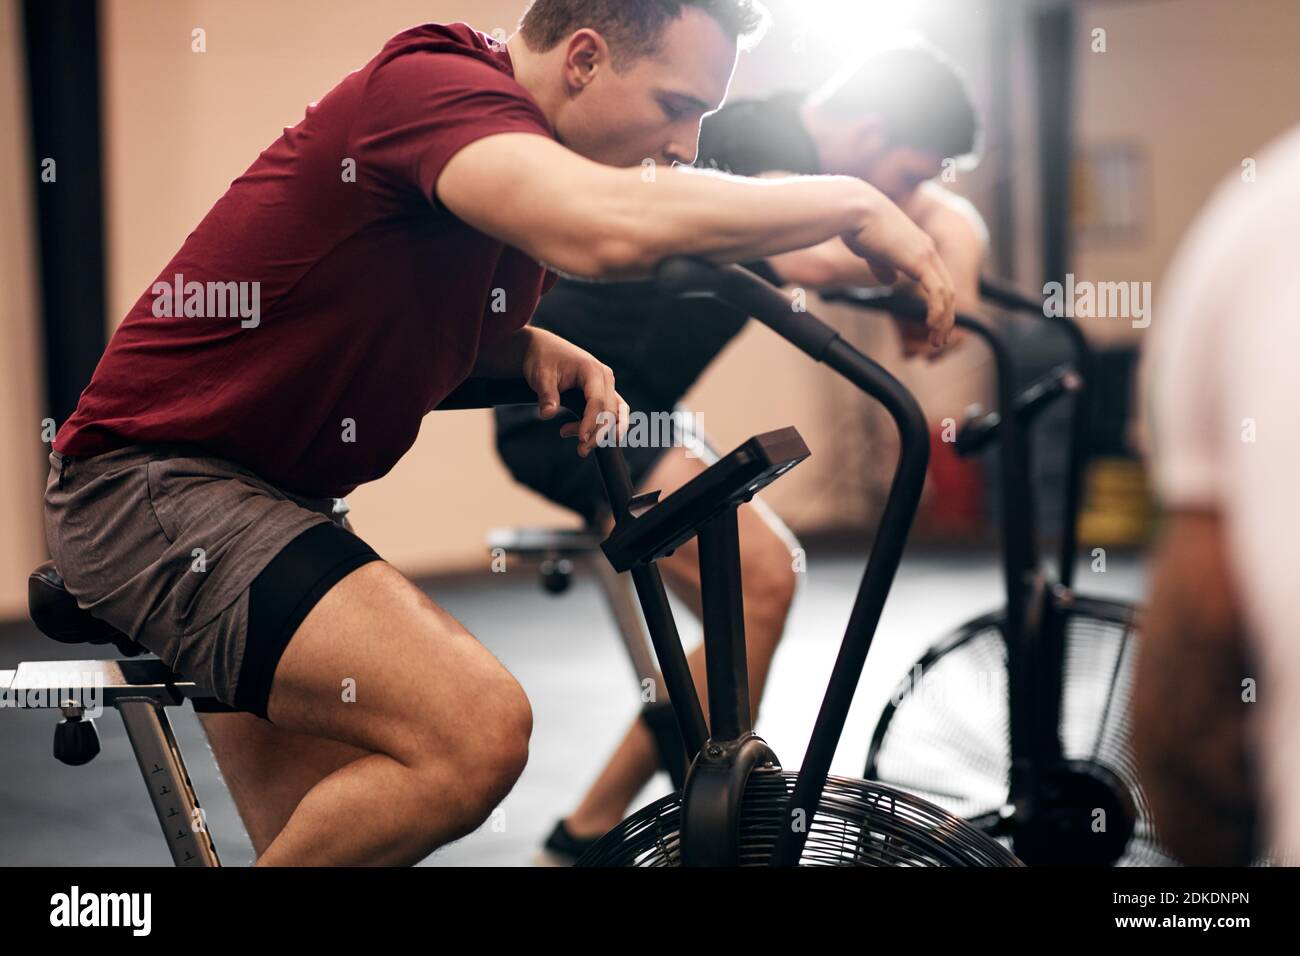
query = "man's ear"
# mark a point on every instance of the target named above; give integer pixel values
(585, 56)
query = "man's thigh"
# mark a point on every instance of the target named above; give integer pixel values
(375, 667)
(379, 667)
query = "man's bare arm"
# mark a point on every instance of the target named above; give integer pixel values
(828, 265)
(1190, 722)
(958, 234)
(600, 222)
(962, 240)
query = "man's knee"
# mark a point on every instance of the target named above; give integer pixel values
(770, 579)
(500, 731)
(487, 748)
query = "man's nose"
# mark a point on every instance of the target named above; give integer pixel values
(674, 153)
(684, 148)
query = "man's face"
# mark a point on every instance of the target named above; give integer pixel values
(898, 171)
(651, 107)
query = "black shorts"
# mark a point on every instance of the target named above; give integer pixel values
(281, 597)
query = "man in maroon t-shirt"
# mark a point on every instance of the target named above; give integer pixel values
(375, 256)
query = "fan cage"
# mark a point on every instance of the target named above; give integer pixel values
(945, 734)
(857, 823)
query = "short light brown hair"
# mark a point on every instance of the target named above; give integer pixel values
(634, 28)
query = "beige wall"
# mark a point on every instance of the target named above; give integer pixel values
(1197, 86)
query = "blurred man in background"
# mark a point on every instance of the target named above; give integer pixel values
(1217, 702)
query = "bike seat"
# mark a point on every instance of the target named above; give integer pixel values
(56, 614)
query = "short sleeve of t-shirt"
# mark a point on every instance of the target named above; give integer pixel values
(423, 107)
(1180, 377)
(1205, 398)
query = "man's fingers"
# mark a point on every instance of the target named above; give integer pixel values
(940, 302)
(587, 428)
(624, 418)
(608, 419)
(597, 387)
(548, 393)
(620, 419)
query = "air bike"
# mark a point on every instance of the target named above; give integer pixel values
(738, 806)
(1019, 720)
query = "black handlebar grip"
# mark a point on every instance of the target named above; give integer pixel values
(977, 434)
(1003, 293)
(746, 292)
(980, 431)
(1059, 382)
(901, 306)
(496, 393)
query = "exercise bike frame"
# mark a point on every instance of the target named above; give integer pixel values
(1038, 608)
(724, 753)
(744, 291)
(1023, 583)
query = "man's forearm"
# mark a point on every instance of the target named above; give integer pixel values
(506, 358)
(600, 222)
(727, 219)
(1191, 742)
(1190, 722)
(831, 265)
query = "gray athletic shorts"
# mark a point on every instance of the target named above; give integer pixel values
(166, 544)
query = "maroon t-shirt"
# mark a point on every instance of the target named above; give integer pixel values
(372, 304)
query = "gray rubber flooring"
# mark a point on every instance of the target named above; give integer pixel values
(563, 651)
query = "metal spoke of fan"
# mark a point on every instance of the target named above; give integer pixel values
(1110, 695)
(955, 751)
(855, 824)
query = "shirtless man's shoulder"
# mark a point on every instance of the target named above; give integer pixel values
(940, 211)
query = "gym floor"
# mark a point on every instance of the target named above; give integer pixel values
(573, 668)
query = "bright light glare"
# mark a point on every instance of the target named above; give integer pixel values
(859, 22)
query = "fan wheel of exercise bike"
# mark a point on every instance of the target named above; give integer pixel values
(856, 824)
(945, 738)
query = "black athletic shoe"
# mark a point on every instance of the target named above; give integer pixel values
(562, 848)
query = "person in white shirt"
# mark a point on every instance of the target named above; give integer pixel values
(1217, 696)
